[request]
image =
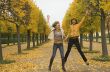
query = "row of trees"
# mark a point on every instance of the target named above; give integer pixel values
(98, 21)
(22, 17)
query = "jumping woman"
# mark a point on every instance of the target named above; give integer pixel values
(58, 44)
(73, 37)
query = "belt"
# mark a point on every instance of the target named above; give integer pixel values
(58, 43)
(74, 37)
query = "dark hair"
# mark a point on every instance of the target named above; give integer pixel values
(75, 20)
(55, 23)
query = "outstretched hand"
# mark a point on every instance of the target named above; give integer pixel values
(66, 38)
(88, 12)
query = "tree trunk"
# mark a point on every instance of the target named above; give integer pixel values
(18, 38)
(8, 39)
(91, 41)
(11, 37)
(109, 36)
(33, 39)
(108, 33)
(25, 37)
(81, 40)
(14, 39)
(103, 36)
(22, 38)
(37, 40)
(28, 39)
(40, 38)
(86, 37)
(97, 36)
(1, 54)
(45, 37)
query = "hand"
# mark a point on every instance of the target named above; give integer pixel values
(65, 39)
(88, 12)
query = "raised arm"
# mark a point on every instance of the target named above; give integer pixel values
(83, 19)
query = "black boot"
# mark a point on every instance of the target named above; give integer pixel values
(87, 63)
(63, 65)
(50, 65)
(65, 61)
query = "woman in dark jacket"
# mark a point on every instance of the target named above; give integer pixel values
(73, 36)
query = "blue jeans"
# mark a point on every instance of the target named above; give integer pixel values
(60, 47)
(55, 47)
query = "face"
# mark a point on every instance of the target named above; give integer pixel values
(57, 26)
(73, 22)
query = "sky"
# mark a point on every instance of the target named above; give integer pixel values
(56, 9)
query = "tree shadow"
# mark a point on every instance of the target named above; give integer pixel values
(28, 49)
(31, 48)
(102, 58)
(20, 53)
(93, 51)
(35, 47)
(7, 61)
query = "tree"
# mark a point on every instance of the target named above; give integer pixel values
(22, 15)
(108, 26)
(1, 55)
(34, 22)
(41, 26)
(26, 19)
(14, 13)
(104, 44)
(100, 11)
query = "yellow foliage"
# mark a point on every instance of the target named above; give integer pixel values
(47, 30)
(37, 22)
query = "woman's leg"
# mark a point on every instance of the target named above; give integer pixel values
(70, 44)
(61, 51)
(62, 56)
(53, 55)
(77, 44)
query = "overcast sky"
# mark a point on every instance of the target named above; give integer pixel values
(55, 8)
